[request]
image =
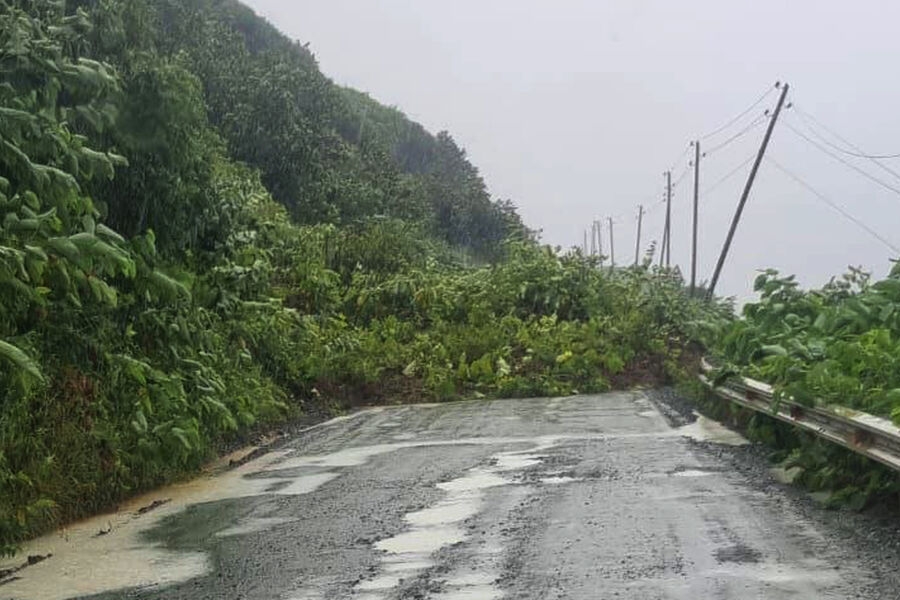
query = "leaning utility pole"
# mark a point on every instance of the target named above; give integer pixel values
(637, 246)
(612, 249)
(668, 232)
(696, 200)
(746, 192)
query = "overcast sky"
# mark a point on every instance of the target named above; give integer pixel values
(574, 108)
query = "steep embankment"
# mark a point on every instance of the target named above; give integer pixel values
(202, 234)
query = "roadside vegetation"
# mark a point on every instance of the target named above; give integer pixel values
(838, 345)
(201, 236)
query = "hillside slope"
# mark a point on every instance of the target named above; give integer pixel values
(202, 236)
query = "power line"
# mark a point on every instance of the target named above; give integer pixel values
(753, 124)
(820, 196)
(682, 176)
(656, 204)
(653, 205)
(680, 158)
(821, 148)
(727, 176)
(859, 153)
(739, 116)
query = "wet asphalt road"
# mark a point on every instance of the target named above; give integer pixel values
(585, 497)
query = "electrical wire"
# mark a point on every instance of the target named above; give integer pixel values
(655, 205)
(822, 197)
(680, 158)
(681, 177)
(753, 124)
(652, 206)
(739, 116)
(706, 191)
(858, 152)
(824, 150)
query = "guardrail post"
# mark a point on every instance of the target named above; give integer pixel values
(861, 439)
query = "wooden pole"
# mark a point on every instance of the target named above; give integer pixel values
(612, 248)
(637, 245)
(696, 203)
(668, 233)
(746, 192)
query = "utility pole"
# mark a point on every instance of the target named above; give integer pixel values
(637, 246)
(599, 240)
(746, 192)
(668, 233)
(612, 250)
(696, 200)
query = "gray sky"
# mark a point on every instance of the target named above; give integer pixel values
(574, 108)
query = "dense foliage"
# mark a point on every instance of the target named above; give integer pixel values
(200, 234)
(840, 346)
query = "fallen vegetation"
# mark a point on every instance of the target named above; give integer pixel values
(201, 235)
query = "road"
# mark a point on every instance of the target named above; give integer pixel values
(606, 496)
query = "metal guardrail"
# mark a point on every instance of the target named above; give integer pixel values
(871, 436)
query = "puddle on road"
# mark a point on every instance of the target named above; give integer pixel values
(433, 528)
(559, 480)
(84, 564)
(443, 513)
(252, 526)
(811, 573)
(472, 587)
(441, 525)
(692, 473)
(515, 462)
(707, 430)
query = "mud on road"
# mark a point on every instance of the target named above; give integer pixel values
(620, 496)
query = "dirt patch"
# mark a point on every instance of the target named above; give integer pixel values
(390, 389)
(738, 553)
(153, 506)
(650, 371)
(674, 407)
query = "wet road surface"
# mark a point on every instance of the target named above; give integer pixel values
(584, 497)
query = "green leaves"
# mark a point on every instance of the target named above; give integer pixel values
(172, 300)
(48, 227)
(20, 360)
(773, 350)
(838, 345)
